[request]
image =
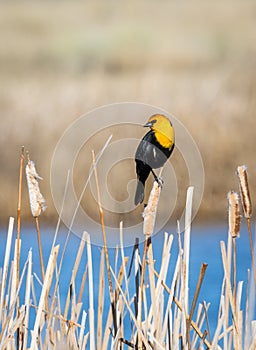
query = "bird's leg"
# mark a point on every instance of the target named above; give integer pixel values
(157, 179)
(154, 174)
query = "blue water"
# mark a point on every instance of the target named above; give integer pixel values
(205, 248)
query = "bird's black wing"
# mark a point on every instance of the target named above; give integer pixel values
(150, 152)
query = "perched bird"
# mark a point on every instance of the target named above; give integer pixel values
(153, 151)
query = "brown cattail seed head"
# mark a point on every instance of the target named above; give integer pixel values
(244, 191)
(233, 214)
(36, 199)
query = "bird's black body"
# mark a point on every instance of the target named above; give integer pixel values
(149, 155)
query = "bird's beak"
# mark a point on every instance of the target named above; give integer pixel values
(148, 125)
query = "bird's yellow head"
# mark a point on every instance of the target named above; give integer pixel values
(163, 130)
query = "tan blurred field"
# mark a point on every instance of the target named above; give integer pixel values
(196, 60)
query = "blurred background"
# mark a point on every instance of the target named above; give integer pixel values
(196, 60)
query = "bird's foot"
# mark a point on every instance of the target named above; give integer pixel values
(160, 181)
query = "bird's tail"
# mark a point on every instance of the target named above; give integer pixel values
(139, 195)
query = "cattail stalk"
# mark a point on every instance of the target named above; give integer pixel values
(46, 283)
(111, 292)
(5, 269)
(195, 298)
(247, 207)
(27, 299)
(74, 272)
(100, 302)
(149, 216)
(37, 203)
(18, 213)
(19, 334)
(40, 246)
(91, 294)
(187, 232)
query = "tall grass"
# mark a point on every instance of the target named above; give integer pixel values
(157, 310)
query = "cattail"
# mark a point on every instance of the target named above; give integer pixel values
(36, 199)
(247, 207)
(233, 214)
(244, 191)
(149, 213)
(37, 204)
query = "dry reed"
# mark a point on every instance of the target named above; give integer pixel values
(37, 203)
(247, 208)
(234, 230)
(112, 297)
(154, 303)
(19, 211)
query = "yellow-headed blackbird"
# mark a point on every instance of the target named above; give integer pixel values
(153, 151)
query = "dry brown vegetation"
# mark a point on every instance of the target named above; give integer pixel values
(195, 60)
(146, 308)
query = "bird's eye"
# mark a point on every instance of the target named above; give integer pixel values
(153, 121)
